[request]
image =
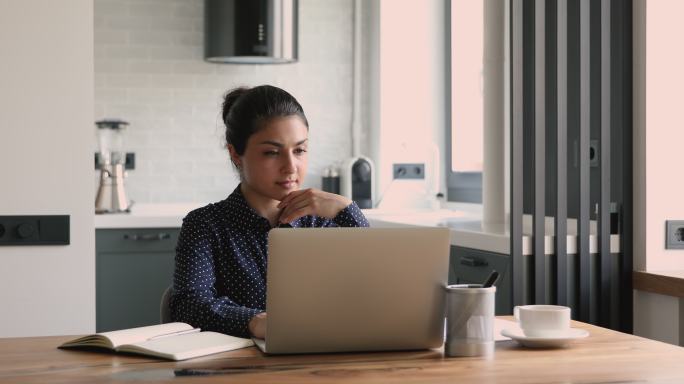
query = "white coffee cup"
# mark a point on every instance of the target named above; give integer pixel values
(543, 320)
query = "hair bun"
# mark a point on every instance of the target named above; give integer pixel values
(230, 99)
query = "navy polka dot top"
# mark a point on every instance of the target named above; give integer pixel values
(220, 277)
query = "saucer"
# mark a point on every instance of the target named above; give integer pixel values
(545, 342)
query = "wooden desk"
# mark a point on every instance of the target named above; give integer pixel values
(605, 356)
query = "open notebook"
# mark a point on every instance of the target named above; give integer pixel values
(173, 341)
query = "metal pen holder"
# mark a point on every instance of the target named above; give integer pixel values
(470, 320)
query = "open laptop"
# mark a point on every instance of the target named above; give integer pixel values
(355, 289)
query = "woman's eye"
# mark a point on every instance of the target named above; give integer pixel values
(300, 151)
(271, 153)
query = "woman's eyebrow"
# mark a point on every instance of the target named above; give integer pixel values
(280, 145)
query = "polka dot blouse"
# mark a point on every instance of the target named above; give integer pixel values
(220, 277)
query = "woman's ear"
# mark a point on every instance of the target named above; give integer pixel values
(234, 157)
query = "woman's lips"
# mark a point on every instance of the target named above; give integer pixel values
(287, 184)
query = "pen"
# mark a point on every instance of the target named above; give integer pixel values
(194, 330)
(491, 280)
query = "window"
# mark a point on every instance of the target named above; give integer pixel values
(464, 147)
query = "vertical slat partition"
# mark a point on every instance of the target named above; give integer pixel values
(624, 89)
(562, 156)
(539, 210)
(567, 79)
(603, 226)
(583, 224)
(516, 153)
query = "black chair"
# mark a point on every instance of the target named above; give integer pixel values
(164, 309)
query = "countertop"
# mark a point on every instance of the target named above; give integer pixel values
(468, 230)
(147, 216)
(171, 216)
(464, 221)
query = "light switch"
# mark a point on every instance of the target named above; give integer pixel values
(34, 230)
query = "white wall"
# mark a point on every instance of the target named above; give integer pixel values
(149, 70)
(46, 160)
(659, 136)
(658, 139)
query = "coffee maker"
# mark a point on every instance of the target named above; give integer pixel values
(356, 181)
(111, 195)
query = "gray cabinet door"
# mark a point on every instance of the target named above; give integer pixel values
(472, 266)
(133, 268)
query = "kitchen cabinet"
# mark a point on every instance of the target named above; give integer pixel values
(133, 268)
(473, 266)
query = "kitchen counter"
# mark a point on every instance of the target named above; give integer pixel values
(464, 221)
(147, 216)
(468, 230)
(171, 216)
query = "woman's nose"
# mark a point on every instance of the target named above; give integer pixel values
(290, 165)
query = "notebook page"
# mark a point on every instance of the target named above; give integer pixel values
(189, 345)
(140, 334)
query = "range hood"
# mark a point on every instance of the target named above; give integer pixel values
(250, 31)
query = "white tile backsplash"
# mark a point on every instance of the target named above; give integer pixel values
(150, 71)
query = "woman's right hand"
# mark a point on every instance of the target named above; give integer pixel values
(311, 202)
(257, 325)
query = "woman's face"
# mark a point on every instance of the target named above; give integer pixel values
(275, 159)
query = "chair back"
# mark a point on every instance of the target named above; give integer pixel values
(164, 309)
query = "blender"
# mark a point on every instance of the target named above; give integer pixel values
(111, 196)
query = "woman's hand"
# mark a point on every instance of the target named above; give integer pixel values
(257, 325)
(311, 202)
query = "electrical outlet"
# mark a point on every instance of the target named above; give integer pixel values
(408, 171)
(594, 152)
(674, 232)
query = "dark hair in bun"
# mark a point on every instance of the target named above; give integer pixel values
(246, 109)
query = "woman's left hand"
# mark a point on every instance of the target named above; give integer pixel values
(311, 202)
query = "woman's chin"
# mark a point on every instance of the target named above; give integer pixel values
(281, 194)
(286, 188)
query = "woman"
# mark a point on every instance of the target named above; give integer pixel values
(221, 256)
